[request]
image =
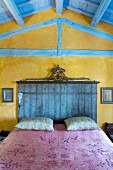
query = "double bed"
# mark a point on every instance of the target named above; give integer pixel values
(58, 149)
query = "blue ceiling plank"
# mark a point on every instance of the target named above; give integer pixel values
(59, 6)
(14, 11)
(100, 11)
(83, 53)
(28, 28)
(54, 52)
(28, 52)
(88, 30)
(59, 25)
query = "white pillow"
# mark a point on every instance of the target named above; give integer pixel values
(81, 123)
(36, 123)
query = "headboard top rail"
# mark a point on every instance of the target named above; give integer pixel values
(56, 82)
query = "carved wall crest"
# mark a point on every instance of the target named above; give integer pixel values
(57, 74)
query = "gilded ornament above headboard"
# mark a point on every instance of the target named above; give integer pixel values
(57, 74)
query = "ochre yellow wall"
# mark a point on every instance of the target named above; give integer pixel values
(13, 69)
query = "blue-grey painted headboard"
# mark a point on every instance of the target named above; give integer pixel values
(57, 99)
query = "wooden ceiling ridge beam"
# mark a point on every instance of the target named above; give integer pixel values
(100, 11)
(14, 11)
(59, 6)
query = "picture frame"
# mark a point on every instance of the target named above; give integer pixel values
(7, 94)
(107, 95)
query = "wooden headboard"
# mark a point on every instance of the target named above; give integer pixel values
(57, 99)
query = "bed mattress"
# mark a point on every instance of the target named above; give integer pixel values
(56, 150)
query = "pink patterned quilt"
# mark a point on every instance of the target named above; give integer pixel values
(56, 150)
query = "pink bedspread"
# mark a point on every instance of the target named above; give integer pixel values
(56, 150)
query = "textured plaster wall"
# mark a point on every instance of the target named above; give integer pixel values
(18, 68)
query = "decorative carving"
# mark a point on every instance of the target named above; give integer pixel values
(57, 74)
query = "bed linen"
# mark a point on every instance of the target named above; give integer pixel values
(56, 150)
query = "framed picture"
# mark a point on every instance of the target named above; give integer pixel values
(7, 94)
(107, 95)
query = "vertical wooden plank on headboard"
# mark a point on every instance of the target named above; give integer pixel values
(45, 109)
(75, 99)
(39, 99)
(51, 100)
(94, 101)
(33, 99)
(63, 100)
(26, 99)
(57, 99)
(81, 99)
(21, 105)
(88, 102)
(68, 101)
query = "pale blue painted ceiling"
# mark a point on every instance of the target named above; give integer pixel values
(18, 9)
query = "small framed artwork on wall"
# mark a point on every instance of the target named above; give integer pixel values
(107, 95)
(7, 94)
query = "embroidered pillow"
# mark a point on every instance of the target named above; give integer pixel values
(36, 123)
(80, 123)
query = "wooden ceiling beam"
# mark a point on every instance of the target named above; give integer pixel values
(100, 11)
(14, 11)
(59, 6)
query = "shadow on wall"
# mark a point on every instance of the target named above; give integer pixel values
(9, 124)
(103, 127)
